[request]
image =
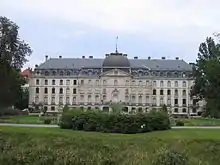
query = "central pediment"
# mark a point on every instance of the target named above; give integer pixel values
(116, 72)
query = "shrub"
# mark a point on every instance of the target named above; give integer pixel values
(47, 121)
(179, 123)
(166, 156)
(114, 122)
(12, 112)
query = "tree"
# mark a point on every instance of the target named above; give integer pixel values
(206, 73)
(22, 101)
(13, 53)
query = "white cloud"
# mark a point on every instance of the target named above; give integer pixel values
(180, 20)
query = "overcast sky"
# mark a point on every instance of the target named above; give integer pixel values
(73, 28)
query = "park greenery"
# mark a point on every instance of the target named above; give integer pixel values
(47, 146)
(13, 55)
(206, 72)
(99, 121)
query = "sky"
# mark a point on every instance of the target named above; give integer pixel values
(75, 28)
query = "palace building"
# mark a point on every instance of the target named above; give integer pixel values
(139, 85)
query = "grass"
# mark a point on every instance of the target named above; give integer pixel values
(55, 146)
(23, 120)
(200, 122)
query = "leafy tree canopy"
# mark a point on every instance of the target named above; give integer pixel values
(13, 53)
(206, 73)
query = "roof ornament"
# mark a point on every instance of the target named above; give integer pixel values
(116, 50)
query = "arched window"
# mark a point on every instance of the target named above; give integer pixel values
(37, 90)
(61, 90)
(53, 91)
(154, 91)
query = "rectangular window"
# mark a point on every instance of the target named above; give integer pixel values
(74, 82)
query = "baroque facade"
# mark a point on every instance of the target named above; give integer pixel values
(90, 83)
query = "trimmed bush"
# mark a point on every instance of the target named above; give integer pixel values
(179, 123)
(166, 156)
(47, 121)
(114, 122)
(12, 112)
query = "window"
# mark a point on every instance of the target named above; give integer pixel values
(67, 82)
(54, 73)
(184, 83)
(97, 82)
(126, 98)
(176, 92)
(161, 101)
(176, 110)
(45, 82)
(46, 73)
(37, 82)
(74, 82)
(68, 73)
(45, 100)
(147, 83)
(176, 101)
(89, 98)
(68, 100)
(52, 108)
(45, 90)
(61, 73)
(96, 98)
(194, 110)
(36, 99)
(126, 90)
(67, 90)
(168, 83)
(37, 90)
(53, 100)
(140, 99)
(45, 108)
(74, 99)
(147, 99)
(104, 91)
(74, 91)
(140, 82)
(127, 82)
(133, 99)
(154, 101)
(90, 82)
(154, 83)
(104, 82)
(168, 92)
(168, 101)
(184, 92)
(161, 92)
(53, 90)
(61, 100)
(115, 82)
(104, 97)
(176, 83)
(61, 90)
(53, 82)
(161, 84)
(184, 101)
(133, 82)
(82, 82)
(61, 82)
(154, 92)
(184, 110)
(81, 98)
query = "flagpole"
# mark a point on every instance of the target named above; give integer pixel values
(116, 45)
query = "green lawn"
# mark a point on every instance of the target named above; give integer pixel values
(49, 145)
(201, 122)
(23, 120)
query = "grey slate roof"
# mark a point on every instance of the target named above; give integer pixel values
(75, 63)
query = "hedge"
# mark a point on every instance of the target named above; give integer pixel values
(114, 123)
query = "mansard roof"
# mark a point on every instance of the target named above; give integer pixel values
(77, 63)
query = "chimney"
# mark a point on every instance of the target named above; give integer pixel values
(149, 58)
(106, 55)
(83, 56)
(60, 56)
(90, 56)
(46, 57)
(36, 66)
(135, 57)
(177, 58)
(163, 58)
